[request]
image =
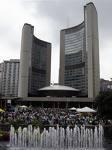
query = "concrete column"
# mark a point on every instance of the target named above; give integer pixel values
(62, 58)
(48, 74)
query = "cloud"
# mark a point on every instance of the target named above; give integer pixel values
(48, 18)
(13, 16)
(66, 13)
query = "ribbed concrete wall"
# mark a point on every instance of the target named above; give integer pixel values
(48, 70)
(62, 58)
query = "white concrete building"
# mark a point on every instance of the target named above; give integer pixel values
(35, 63)
(9, 78)
(79, 54)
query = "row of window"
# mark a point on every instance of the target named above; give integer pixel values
(71, 40)
(76, 33)
(74, 48)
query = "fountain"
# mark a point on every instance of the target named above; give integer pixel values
(56, 139)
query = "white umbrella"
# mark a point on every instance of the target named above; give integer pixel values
(23, 106)
(78, 109)
(1, 110)
(73, 108)
(86, 109)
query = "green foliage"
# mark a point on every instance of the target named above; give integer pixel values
(18, 122)
(4, 135)
(104, 104)
(36, 123)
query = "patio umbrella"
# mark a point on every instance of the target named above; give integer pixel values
(86, 109)
(1, 110)
(73, 108)
(23, 106)
(78, 109)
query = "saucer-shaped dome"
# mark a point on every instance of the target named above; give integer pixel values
(58, 87)
(56, 90)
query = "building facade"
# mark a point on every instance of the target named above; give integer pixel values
(9, 78)
(79, 55)
(105, 85)
(35, 63)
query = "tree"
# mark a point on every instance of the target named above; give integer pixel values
(104, 104)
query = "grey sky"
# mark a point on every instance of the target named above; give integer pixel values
(48, 17)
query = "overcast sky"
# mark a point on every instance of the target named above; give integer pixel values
(48, 17)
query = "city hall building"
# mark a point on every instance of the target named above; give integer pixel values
(79, 55)
(35, 63)
(57, 96)
(79, 77)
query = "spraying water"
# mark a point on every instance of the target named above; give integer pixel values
(57, 139)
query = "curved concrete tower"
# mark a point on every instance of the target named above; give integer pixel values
(35, 61)
(79, 54)
(92, 48)
(26, 46)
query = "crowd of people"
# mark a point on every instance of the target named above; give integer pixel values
(48, 117)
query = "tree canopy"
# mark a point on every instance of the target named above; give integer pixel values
(104, 104)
